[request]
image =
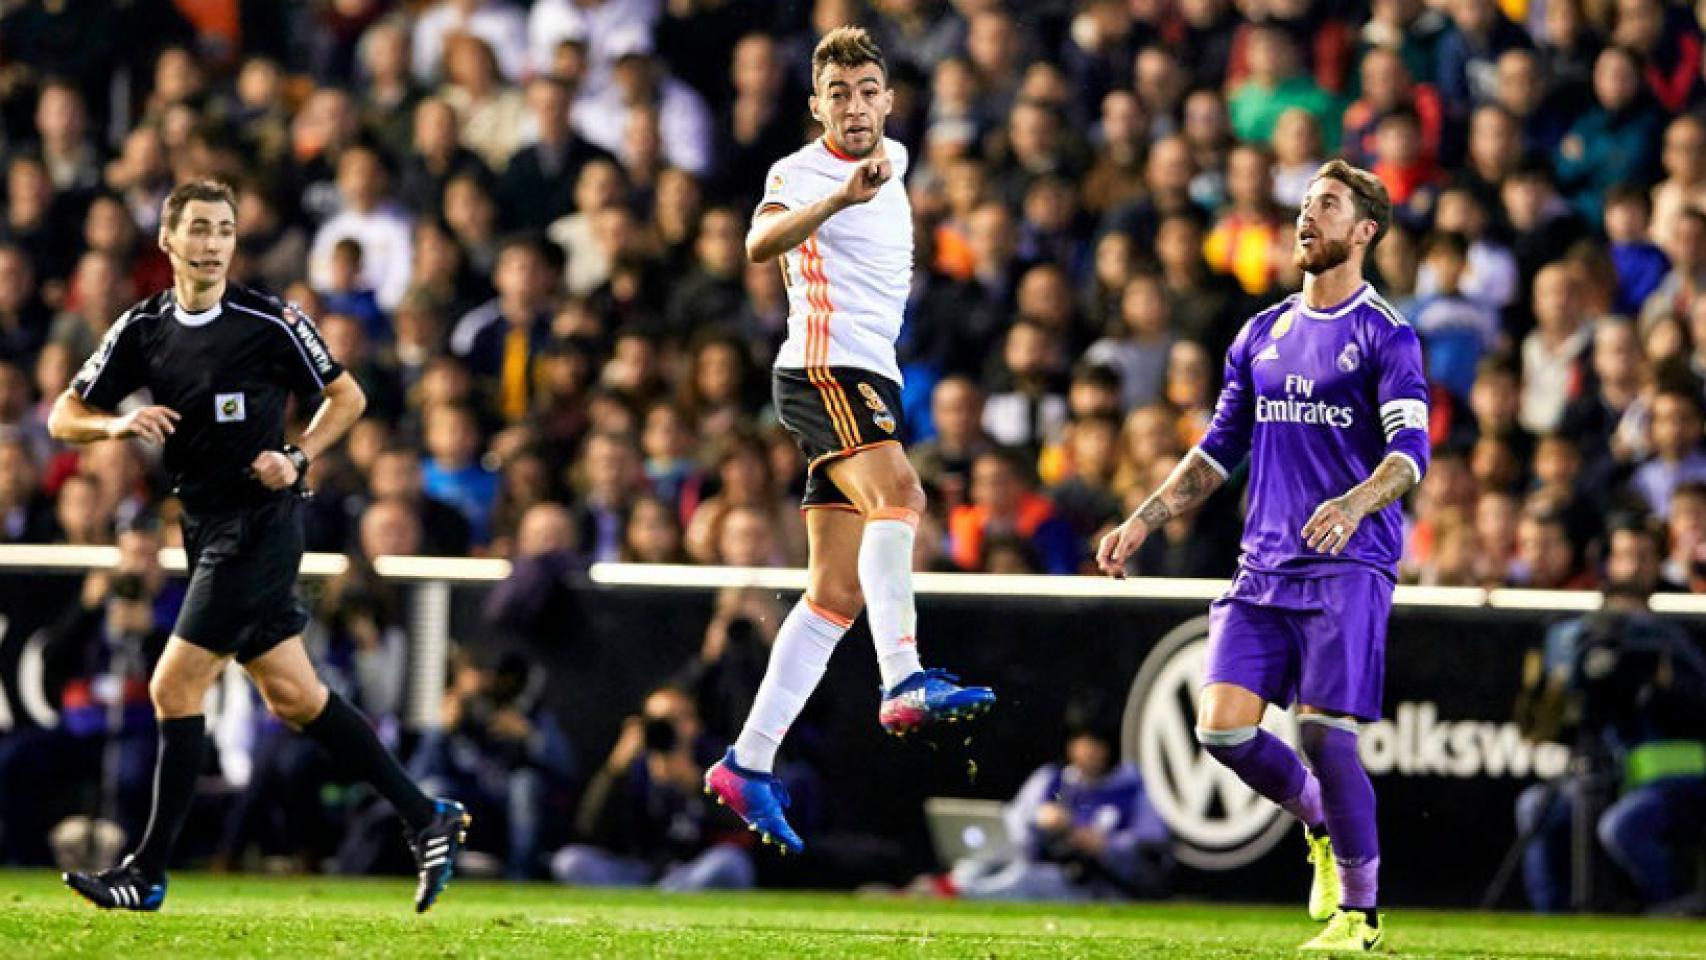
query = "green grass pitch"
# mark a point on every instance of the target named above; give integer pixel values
(302, 918)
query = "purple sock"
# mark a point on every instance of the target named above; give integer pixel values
(1348, 799)
(1268, 766)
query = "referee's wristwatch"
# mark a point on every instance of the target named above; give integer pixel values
(300, 461)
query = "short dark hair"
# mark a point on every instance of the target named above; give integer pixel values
(1372, 200)
(1446, 241)
(205, 191)
(847, 47)
(1622, 193)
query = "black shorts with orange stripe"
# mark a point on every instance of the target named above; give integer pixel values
(834, 412)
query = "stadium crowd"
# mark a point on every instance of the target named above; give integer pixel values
(520, 225)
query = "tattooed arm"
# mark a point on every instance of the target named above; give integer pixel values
(1334, 521)
(1184, 490)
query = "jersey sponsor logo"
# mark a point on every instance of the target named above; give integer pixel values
(229, 408)
(303, 328)
(1297, 407)
(1349, 358)
(1218, 823)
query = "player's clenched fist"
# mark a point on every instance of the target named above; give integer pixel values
(153, 424)
(867, 178)
(1120, 543)
(273, 469)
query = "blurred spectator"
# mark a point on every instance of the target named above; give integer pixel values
(1524, 88)
(1455, 330)
(1246, 240)
(1410, 175)
(368, 217)
(606, 484)
(1276, 84)
(1387, 86)
(1677, 454)
(1633, 687)
(536, 600)
(944, 461)
(640, 82)
(653, 534)
(1684, 563)
(389, 93)
(1552, 354)
(436, 154)
(1683, 156)
(397, 475)
(490, 112)
(1545, 559)
(23, 317)
(453, 471)
(1479, 33)
(1028, 410)
(538, 184)
(1002, 503)
(744, 482)
(1614, 141)
(97, 655)
(500, 340)
(1608, 422)
(503, 754)
(1641, 265)
(1297, 155)
(1685, 247)
(1496, 520)
(27, 513)
(499, 24)
(1086, 831)
(644, 819)
(1138, 347)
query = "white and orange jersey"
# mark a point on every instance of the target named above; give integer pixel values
(848, 283)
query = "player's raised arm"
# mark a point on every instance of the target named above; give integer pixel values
(1200, 473)
(777, 229)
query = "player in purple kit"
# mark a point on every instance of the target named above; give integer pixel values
(1325, 393)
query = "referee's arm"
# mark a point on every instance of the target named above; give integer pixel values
(342, 407)
(74, 420)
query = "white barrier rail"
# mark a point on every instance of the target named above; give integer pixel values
(455, 570)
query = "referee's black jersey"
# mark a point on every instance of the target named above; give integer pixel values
(226, 371)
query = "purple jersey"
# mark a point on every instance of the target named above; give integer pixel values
(1318, 399)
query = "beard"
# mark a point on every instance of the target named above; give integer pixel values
(1325, 254)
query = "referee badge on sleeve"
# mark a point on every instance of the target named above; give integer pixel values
(228, 407)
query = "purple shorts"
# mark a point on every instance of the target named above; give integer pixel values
(1316, 640)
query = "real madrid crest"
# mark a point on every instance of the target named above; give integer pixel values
(1283, 327)
(1350, 358)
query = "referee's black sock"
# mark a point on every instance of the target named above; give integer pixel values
(345, 734)
(182, 740)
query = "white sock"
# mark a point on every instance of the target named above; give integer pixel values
(797, 661)
(885, 576)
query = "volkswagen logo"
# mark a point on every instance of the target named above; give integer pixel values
(1218, 823)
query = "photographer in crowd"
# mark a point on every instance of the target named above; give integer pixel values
(98, 761)
(1629, 690)
(644, 819)
(503, 752)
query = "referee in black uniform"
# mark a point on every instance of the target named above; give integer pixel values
(219, 361)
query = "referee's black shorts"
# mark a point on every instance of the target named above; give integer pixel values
(833, 412)
(243, 565)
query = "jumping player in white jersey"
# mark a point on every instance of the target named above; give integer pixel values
(836, 214)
